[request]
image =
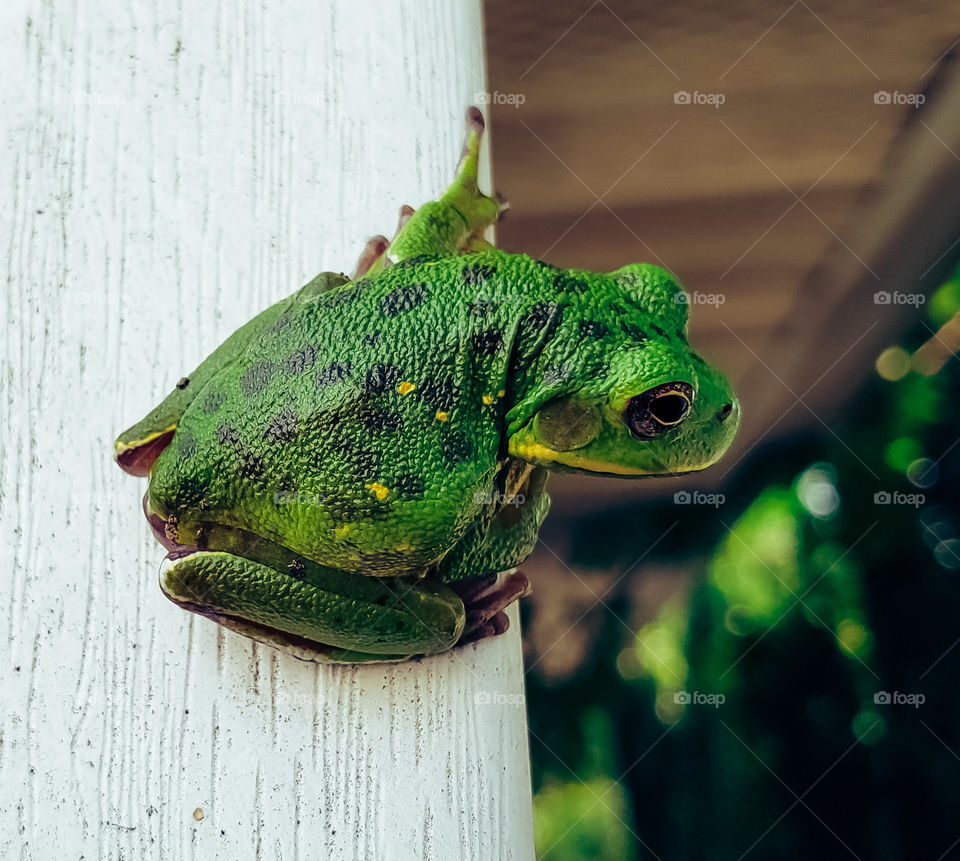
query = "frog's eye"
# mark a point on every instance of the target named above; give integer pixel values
(658, 409)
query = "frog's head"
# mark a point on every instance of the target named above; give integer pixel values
(652, 406)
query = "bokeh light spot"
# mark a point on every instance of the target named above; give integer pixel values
(902, 452)
(923, 472)
(868, 726)
(947, 553)
(893, 364)
(817, 492)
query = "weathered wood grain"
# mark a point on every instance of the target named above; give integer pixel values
(167, 171)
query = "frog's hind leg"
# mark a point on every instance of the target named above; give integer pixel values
(315, 612)
(455, 223)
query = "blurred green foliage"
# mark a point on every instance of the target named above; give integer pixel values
(750, 718)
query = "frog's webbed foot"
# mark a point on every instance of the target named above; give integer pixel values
(485, 599)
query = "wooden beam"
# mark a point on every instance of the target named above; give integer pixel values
(169, 172)
(903, 238)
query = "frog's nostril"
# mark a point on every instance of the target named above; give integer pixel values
(724, 412)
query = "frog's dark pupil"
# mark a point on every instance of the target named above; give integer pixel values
(669, 409)
(658, 409)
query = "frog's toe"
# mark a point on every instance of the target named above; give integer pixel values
(372, 251)
(499, 624)
(503, 204)
(406, 212)
(485, 598)
(475, 125)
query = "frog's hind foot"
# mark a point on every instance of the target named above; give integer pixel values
(485, 599)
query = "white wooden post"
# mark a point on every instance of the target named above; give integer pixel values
(168, 170)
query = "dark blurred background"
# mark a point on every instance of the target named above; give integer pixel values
(757, 661)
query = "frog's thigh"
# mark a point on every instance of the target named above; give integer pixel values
(382, 619)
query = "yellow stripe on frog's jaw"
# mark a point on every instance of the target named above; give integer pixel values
(538, 451)
(120, 446)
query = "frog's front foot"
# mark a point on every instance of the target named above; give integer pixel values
(485, 599)
(372, 251)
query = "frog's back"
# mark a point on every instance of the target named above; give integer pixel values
(360, 416)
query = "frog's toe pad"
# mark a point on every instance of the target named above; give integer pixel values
(503, 204)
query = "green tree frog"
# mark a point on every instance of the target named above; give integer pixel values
(355, 474)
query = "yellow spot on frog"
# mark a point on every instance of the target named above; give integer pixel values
(405, 545)
(488, 399)
(442, 416)
(378, 490)
(405, 388)
(341, 531)
(501, 393)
